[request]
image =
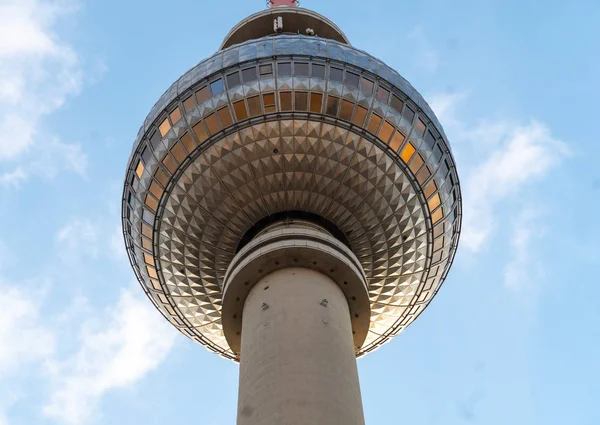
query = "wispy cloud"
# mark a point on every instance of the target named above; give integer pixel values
(130, 341)
(505, 157)
(38, 73)
(523, 270)
(78, 239)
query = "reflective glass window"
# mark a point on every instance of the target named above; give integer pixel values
(437, 215)
(336, 74)
(155, 189)
(164, 127)
(170, 163)
(225, 117)
(438, 243)
(266, 69)
(152, 272)
(269, 102)
(239, 108)
(407, 152)
(212, 123)
(316, 100)
(366, 86)
(175, 115)
(155, 139)
(189, 103)
(423, 175)
(318, 71)
(374, 123)
(420, 127)
(161, 177)
(203, 94)
(359, 116)
(386, 131)
(146, 155)
(146, 243)
(383, 94)
(146, 230)
(139, 170)
(148, 259)
(285, 99)
(397, 141)
(216, 87)
(188, 142)
(284, 69)
(397, 104)
(301, 68)
(200, 132)
(416, 163)
(254, 106)
(147, 216)
(178, 152)
(437, 153)
(346, 110)
(301, 99)
(249, 74)
(332, 105)
(233, 79)
(408, 113)
(430, 138)
(352, 79)
(430, 189)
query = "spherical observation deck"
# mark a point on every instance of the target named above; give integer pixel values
(290, 126)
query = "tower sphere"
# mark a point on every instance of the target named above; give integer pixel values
(288, 123)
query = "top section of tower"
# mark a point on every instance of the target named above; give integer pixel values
(277, 3)
(283, 17)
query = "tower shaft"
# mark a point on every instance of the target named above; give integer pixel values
(297, 359)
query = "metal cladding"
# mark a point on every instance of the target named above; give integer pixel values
(290, 123)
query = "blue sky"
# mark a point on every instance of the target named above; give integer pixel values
(513, 336)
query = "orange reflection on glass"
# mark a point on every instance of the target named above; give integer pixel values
(374, 122)
(359, 116)
(189, 103)
(430, 189)
(269, 102)
(178, 152)
(239, 108)
(170, 163)
(407, 152)
(316, 100)
(301, 99)
(188, 142)
(212, 123)
(423, 175)
(200, 132)
(346, 110)
(386, 131)
(437, 215)
(254, 106)
(420, 127)
(164, 127)
(152, 272)
(139, 170)
(175, 115)
(146, 243)
(397, 141)
(285, 98)
(332, 105)
(146, 230)
(151, 202)
(434, 202)
(203, 94)
(148, 259)
(416, 163)
(225, 117)
(156, 190)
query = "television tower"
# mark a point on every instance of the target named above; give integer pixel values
(291, 203)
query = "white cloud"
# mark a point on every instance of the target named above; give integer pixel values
(525, 154)
(24, 338)
(12, 178)
(131, 341)
(38, 72)
(77, 239)
(497, 160)
(522, 270)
